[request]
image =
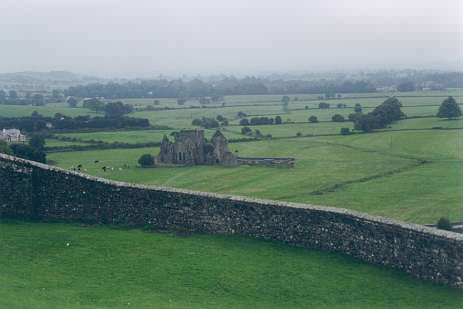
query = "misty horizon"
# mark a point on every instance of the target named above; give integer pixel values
(145, 39)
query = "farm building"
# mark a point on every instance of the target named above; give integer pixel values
(12, 136)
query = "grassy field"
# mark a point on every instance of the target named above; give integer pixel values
(411, 171)
(48, 110)
(378, 173)
(68, 266)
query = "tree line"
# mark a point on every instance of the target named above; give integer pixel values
(197, 88)
(36, 122)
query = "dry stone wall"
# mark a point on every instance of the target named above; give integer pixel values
(30, 190)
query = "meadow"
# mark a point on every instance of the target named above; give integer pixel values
(73, 266)
(411, 171)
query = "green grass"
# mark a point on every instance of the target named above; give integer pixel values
(58, 143)
(109, 268)
(133, 137)
(420, 194)
(48, 110)
(377, 173)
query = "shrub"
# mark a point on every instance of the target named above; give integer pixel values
(444, 224)
(323, 105)
(358, 108)
(206, 123)
(146, 160)
(278, 120)
(338, 118)
(244, 122)
(298, 134)
(241, 114)
(313, 119)
(261, 121)
(246, 131)
(345, 131)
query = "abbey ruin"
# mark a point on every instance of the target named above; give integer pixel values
(191, 148)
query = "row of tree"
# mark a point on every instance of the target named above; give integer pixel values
(214, 90)
(37, 122)
(257, 121)
(38, 99)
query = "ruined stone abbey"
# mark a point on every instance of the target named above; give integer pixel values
(190, 147)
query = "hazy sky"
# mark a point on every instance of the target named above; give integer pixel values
(149, 37)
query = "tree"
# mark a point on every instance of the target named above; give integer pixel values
(57, 95)
(181, 101)
(12, 95)
(278, 120)
(196, 122)
(313, 119)
(366, 123)
(38, 99)
(207, 123)
(241, 114)
(37, 142)
(28, 152)
(337, 118)
(285, 99)
(358, 108)
(244, 122)
(146, 160)
(323, 105)
(384, 114)
(406, 86)
(117, 109)
(354, 116)
(449, 109)
(4, 148)
(388, 111)
(72, 102)
(2, 96)
(93, 104)
(345, 131)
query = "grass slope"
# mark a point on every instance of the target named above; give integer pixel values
(108, 268)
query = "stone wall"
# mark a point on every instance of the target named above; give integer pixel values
(36, 191)
(285, 162)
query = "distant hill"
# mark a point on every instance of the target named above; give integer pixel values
(43, 81)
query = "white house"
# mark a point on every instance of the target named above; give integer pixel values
(12, 136)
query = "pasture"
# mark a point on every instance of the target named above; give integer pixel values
(411, 171)
(69, 266)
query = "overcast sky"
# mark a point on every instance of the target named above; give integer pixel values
(148, 37)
